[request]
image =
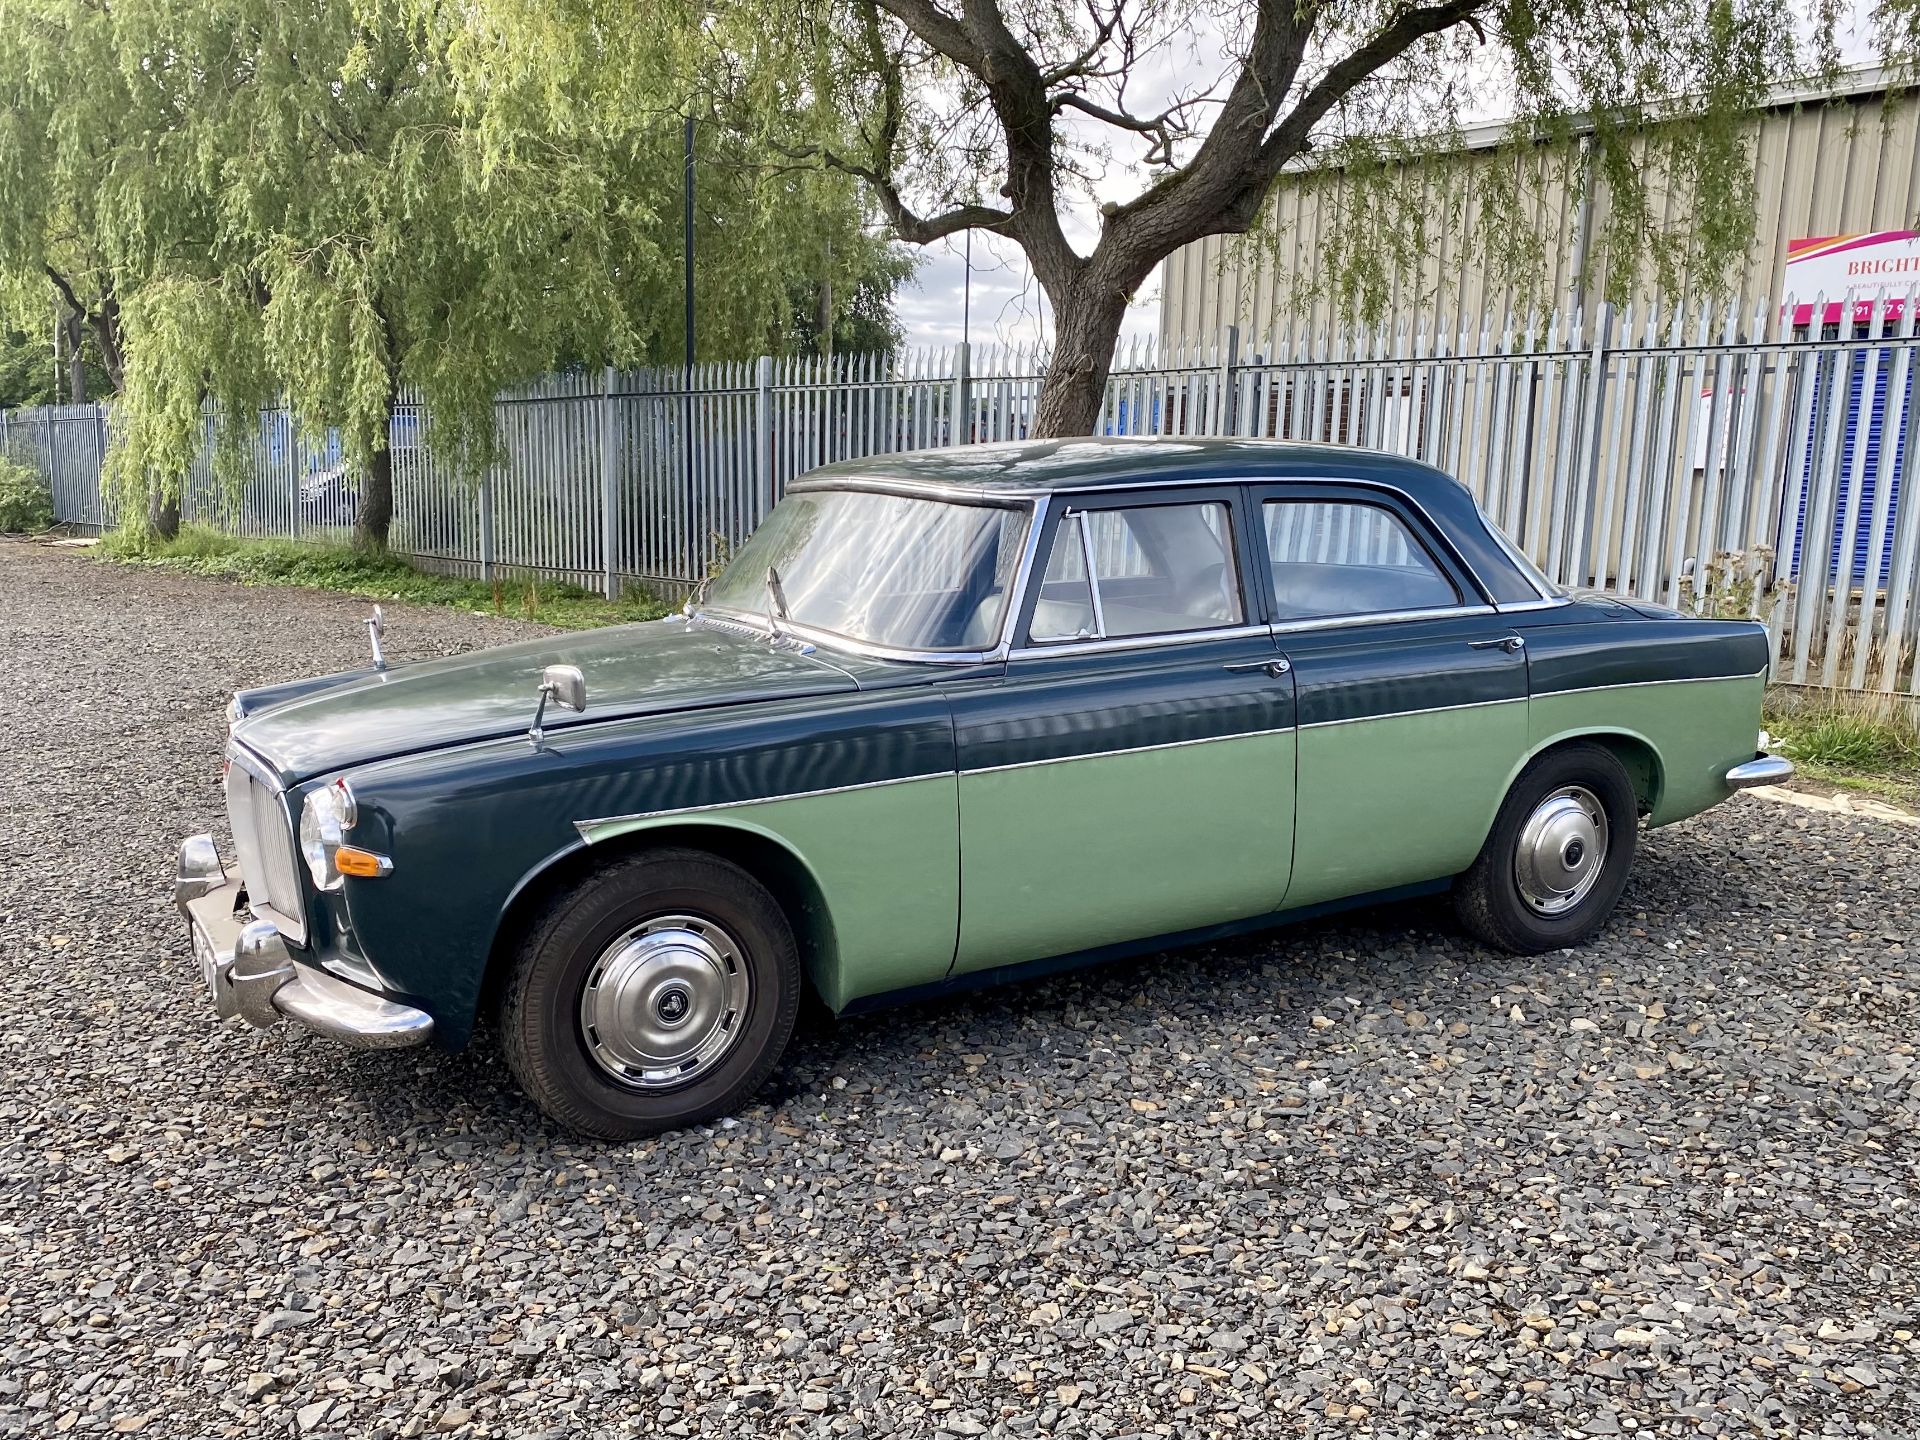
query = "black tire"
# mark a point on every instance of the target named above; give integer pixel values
(543, 1027)
(1490, 899)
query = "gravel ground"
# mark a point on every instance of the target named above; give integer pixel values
(1359, 1178)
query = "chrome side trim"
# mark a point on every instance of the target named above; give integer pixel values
(1761, 770)
(1380, 617)
(1129, 750)
(1402, 714)
(586, 827)
(1516, 607)
(1638, 684)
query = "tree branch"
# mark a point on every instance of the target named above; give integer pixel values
(913, 228)
(1409, 27)
(937, 28)
(1222, 189)
(61, 284)
(1160, 129)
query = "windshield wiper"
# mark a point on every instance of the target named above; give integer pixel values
(776, 604)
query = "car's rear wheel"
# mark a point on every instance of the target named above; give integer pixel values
(1557, 858)
(658, 992)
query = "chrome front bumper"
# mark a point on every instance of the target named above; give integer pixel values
(249, 972)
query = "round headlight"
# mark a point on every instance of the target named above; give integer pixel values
(322, 832)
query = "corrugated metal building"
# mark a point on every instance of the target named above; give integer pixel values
(1831, 162)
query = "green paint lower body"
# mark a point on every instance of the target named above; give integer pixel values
(1076, 854)
(1697, 730)
(886, 862)
(1071, 856)
(1401, 798)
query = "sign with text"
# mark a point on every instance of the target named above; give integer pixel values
(1833, 272)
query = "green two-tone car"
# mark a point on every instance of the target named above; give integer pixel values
(952, 717)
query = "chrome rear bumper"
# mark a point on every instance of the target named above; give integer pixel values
(1763, 769)
(249, 972)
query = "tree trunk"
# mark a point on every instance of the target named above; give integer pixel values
(163, 514)
(106, 330)
(1086, 329)
(71, 322)
(375, 519)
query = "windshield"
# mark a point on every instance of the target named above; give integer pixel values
(891, 570)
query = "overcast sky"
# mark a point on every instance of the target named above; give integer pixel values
(1007, 302)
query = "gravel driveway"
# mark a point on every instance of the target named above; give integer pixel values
(1359, 1178)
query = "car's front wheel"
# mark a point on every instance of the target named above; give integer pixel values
(658, 992)
(1557, 858)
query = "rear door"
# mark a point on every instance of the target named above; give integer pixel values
(1132, 774)
(1411, 690)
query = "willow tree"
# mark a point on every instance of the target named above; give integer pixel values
(286, 199)
(1102, 135)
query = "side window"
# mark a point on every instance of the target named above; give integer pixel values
(1145, 570)
(1346, 557)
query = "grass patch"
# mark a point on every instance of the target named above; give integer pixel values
(334, 565)
(1855, 745)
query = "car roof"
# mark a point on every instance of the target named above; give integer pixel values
(1022, 469)
(1015, 472)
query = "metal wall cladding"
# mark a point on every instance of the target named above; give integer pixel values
(1845, 161)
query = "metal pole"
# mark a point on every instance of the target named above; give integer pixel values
(609, 493)
(696, 527)
(763, 427)
(687, 242)
(960, 428)
(966, 295)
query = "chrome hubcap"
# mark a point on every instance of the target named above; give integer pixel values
(664, 1002)
(1562, 850)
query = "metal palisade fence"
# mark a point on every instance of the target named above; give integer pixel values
(1729, 458)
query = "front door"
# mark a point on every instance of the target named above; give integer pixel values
(1132, 773)
(1412, 691)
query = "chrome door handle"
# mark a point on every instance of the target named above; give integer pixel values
(1512, 644)
(1275, 668)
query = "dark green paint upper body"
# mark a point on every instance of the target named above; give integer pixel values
(922, 820)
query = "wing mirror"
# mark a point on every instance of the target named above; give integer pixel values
(565, 686)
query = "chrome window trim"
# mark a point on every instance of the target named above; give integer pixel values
(1378, 617)
(1023, 577)
(1434, 529)
(1102, 640)
(1087, 558)
(1129, 750)
(910, 489)
(1525, 566)
(1138, 642)
(1551, 602)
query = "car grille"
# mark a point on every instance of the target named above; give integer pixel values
(266, 851)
